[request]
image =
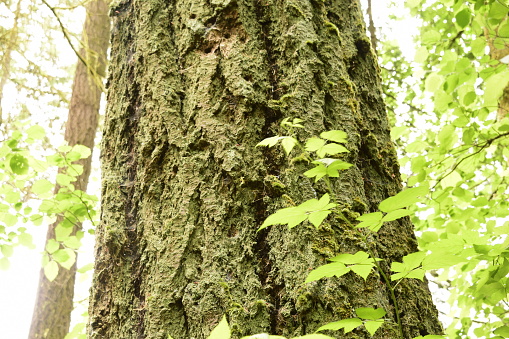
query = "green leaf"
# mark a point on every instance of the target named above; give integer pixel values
(371, 220)
(86, 268)
(362, 270)
(463, 17)
(288, 144)
(19, 164)
(404, 199)
(329, 270)
(221, 331)
(396, 214)
(51, 270)
(4, 264)
(331, 149)
(36, 132)
(269, 142)
(370, 313)
(290, 215)
(42, 186)
(263, 336)
(26, 240)
(373, 326)
(52, 246)
(314, 144)
(335, 135)
(348, 325)
(84, 151)
(7, 250)
(430, 37)
(318, 172)
(314, 336)
(503, 331)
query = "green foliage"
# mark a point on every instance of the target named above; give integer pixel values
(28, 198)
(462, 153)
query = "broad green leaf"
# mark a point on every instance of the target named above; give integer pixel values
(221, 331)
(348, 325)
(263, 336)
(404, 199)
(335, 135)
(430, 37)
(64, 179)
(51, 270)
(329, 270)
(396, 214)
(463, 17)
(439, 260)
(52, 246)
(503, 331)
(417, 273)
(433, 81)
(19, 164)
(431, 337)
(72, 242)
(316, 218)
(370, 313)
(84, 151)
(373, 326)
(493, 90)
(65, 257)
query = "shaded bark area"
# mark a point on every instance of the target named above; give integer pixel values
(54, 301)
(194, 85)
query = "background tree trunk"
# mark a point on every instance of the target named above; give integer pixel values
(54, 301)
(193, 87)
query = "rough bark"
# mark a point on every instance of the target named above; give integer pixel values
(54, 301)
(194, 85)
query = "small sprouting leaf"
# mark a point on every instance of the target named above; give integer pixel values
(409, 267)
(348, 325)
(269, 142)
(290, 215)
(335, 135)
(403, 199)
(288, 144)
(370, 313)
(373, 326)
(396, 214)
(331, 149)
(371, 220)
(318, 172)
(51, 270)
(221, 331)
(19, 164)
(329, 270)
(314, 144)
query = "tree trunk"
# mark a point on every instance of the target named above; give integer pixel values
(54, 301)
(193, 87)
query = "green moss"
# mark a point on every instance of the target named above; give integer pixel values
(330, 26)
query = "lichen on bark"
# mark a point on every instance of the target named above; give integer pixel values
(194, 85)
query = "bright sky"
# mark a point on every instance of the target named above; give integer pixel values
(18, 285)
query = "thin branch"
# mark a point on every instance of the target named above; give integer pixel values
(66, 35)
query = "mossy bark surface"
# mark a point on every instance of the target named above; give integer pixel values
(194, 85)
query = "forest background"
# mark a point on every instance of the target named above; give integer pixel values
(447, 99)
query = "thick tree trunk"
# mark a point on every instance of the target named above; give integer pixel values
(54, 301)
(194, 85)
